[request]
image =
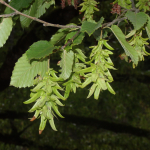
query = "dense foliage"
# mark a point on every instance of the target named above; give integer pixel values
(80, 64)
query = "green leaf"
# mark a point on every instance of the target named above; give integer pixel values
(18, 4)
(60, 34)
(90, 27)
(70, 35)
(97, 34)
(77, 40)
(57, 37)
(25, 22)
(24, 72)
(138, 20)
(42, 7)
(5, 30)
(37, 9)
(39, 50)
(131, 33)
(66, 64)
(79, 51)
(42, 123)
(148, 27)
(55, 108)
(125, 4)
(129, 50)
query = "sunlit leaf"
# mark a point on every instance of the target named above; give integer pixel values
(66, 64)
(24, 72)
(129, 50)
(5, 30)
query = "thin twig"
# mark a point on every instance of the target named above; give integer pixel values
(9, 15)
(122, 14)
(119, 19)
(114, 21)
(133, 5)
(38, 20)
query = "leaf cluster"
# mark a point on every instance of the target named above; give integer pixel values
(77, 68)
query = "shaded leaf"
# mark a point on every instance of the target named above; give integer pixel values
(70, 35)
(77, 40)
(60, 34)
(97, 34)
(129, 50)
(37, 9)
(24, 72)
(19, 5)
(39, 50)
(66, 64)
(5, 30)
(138, 20)
(57, 37)
(90, 27)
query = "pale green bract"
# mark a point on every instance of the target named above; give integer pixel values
(66, 64)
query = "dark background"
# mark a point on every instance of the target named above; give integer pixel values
(114, 122)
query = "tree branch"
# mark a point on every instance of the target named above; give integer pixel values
(114, 21)
(36, 19)
(54, 25)
(9, 15)
(133, 5)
